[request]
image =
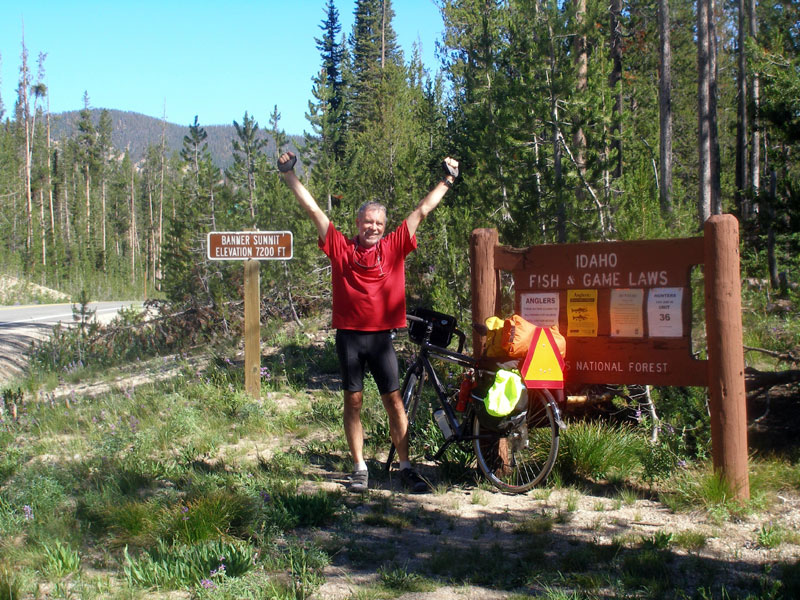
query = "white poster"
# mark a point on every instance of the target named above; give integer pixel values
(540, 309)
(664, 312)
(626, 315)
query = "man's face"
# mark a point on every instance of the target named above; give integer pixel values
(370, 227)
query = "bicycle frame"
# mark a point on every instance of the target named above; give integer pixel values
(424, 369)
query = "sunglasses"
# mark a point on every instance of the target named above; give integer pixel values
(378, 261)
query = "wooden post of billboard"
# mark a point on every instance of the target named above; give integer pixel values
(725, 352)
(252, 329)
(485, 301)
(484, 282)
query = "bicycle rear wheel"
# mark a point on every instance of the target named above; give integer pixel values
(522, 458)
(410, 393)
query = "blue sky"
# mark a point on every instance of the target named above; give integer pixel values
(211, 59)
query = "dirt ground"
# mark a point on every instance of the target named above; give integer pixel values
(588, 522)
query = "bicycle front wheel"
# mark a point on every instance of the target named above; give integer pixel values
(522, 458)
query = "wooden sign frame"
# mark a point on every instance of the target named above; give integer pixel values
(670, 262)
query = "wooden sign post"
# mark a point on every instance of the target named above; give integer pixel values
(252, 328)
(251, 247)
(625, 308)
(726, 384)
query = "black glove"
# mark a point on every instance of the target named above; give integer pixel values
(288, 165)
(449, 169)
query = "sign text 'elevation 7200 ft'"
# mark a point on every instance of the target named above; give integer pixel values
(249, 245)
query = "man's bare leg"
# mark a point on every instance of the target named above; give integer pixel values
(352, 425)
(353, 430)
(398, 423)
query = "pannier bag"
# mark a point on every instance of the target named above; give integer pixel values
(502, 397)
(443, 327)
(501, 401)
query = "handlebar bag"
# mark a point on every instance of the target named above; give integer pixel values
(443, 327)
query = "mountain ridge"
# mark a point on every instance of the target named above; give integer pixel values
(136, 132)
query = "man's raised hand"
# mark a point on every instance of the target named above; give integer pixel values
(286, 162)
(450, 167)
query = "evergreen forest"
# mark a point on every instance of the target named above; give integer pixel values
(573, 121)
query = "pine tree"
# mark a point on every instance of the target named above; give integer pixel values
(278, 135)
(326, 145)
(329, 112)
(104, 149)
(246, 152)
(24, 114)
(2, 106)
(373, 50)
(86, 154)
(195, 149)
(665, 107)
(473, 40)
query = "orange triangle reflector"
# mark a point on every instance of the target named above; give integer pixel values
(543, 366)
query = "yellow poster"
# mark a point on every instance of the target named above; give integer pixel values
(582, 313)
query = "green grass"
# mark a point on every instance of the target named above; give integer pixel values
(690, 540)
(178, 566)
(61, 560)
(770, 536)
(143, 473)
(169, 477)
(592, 450)
(396, 581)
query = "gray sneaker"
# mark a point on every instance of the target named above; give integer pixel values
(359, 482)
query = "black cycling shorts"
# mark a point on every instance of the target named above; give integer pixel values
(372, 349)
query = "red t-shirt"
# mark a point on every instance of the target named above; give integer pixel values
(369, 284)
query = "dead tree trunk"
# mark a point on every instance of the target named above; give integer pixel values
(665, 108)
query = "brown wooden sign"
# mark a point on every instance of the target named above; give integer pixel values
(625, 307)
(249, 245)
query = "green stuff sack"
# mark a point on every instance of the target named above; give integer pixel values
(505, 393)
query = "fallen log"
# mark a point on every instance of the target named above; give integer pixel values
(757, 381)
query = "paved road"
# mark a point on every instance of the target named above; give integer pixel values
(21, 325)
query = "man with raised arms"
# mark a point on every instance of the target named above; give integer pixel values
(368, 283)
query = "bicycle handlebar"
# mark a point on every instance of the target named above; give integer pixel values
(462, 338)
(418, 320)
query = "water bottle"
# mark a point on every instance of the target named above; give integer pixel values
(441, 421)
